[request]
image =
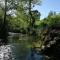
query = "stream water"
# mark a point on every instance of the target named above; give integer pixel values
(19, 48)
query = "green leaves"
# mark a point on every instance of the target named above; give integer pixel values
(53, 19)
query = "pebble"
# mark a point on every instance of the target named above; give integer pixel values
(5, 52)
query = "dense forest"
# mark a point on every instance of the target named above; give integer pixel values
(18, 16)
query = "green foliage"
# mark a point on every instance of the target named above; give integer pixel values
(53, 19)
(21, 20)
(36, 14)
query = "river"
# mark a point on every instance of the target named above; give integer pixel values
(19, 48)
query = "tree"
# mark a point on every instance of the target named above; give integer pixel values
(32, 19)
(4, 26)
(21, 8)
(29, 5)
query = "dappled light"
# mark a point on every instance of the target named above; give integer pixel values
(24, 35)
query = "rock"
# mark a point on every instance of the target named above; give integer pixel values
(52, 44)
(5, 52)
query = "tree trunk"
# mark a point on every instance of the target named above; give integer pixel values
(4, 28)
(32, 19)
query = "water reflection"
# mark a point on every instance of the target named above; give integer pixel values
(21, 48)
(19, 52)
(34, 55)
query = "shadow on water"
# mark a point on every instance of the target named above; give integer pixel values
(21, 48)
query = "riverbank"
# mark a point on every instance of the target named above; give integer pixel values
(5, 52)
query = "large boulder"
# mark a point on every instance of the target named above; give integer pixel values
(52, 44)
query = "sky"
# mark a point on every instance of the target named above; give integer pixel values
(47, 6)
